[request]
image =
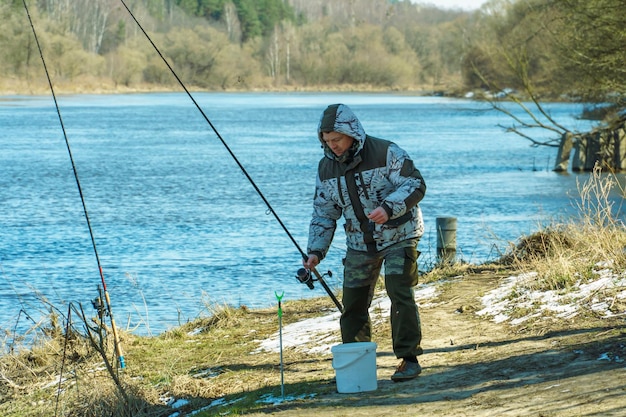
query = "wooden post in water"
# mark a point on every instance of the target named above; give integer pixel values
(565, 149)
(446, 239)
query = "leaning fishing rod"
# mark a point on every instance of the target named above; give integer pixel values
(118, 346)
(318, 276)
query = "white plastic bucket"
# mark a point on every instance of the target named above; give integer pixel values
(355, 366)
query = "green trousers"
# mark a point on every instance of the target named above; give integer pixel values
(361, 272)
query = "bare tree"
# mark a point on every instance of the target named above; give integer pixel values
(535, 52)
(273, 52)
(233, 26)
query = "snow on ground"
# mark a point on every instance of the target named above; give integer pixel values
(319, 334)
(598, 295)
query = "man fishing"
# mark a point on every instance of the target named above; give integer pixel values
(374, 184)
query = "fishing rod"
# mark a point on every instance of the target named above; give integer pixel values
(318, 276)
(118, 346)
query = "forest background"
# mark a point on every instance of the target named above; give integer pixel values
(553, 49)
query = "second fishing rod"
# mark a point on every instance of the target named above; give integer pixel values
(302, 275)
(118, 346)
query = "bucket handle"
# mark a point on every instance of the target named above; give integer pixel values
(352, 361)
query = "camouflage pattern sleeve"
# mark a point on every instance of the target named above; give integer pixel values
(410, 187)
(323, 222)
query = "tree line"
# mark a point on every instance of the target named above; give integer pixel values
(242, 44)
(569, 49)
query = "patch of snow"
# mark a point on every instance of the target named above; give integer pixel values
(316, 335)
(215, 403)
(195, 331)
(166, 399)
(206, 373)
(319, 334)
(512, 294)
(273, 400)
(58, 380)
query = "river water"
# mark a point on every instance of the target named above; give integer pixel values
(180, 229)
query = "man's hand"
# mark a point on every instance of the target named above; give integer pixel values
(311, 262)
(379, 215)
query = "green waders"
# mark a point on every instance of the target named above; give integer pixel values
(361, 272)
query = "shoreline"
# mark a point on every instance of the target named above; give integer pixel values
(18, 87)
(456, 92)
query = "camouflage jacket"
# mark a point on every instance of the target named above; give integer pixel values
(373, 173)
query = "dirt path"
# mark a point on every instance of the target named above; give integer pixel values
(475, 367)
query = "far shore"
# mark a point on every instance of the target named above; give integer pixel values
(26, 88)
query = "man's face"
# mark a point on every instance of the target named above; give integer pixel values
(337, 142)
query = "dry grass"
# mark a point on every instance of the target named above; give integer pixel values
(565, 253)
(203, 360)
(458, 269)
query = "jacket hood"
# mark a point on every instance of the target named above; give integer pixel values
(340, 118)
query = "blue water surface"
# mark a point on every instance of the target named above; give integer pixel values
(179, 228)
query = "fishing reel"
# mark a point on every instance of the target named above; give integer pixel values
(304, 276)
(99, 305)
